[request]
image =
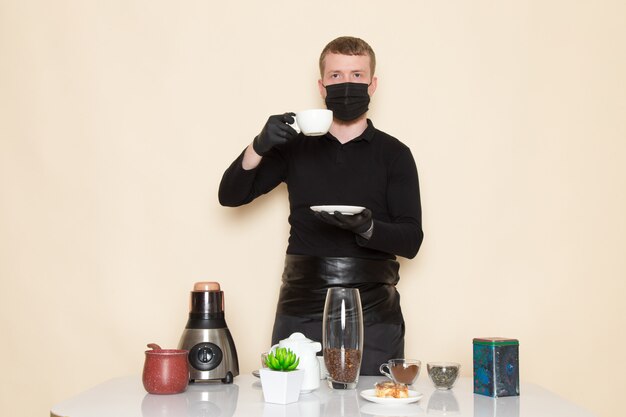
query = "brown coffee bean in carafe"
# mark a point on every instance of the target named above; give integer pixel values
(342, 364)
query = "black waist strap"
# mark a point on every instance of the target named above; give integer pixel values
(315, 272)
(306, 280)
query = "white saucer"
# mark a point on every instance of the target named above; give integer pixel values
(370, 395)
(348, 210)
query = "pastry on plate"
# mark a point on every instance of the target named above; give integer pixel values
(389, 389)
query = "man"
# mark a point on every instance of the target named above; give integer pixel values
(353, 164)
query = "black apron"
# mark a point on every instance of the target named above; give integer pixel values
(305, 282)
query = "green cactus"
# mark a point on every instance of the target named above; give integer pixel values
(282, 359)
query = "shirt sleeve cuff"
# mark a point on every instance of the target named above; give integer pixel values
(368, 233)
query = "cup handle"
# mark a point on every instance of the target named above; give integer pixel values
(387, 374)
(295, 124)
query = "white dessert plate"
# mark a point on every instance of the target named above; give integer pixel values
(370, 395)
(348, 210)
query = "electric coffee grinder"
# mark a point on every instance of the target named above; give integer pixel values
(212, 355)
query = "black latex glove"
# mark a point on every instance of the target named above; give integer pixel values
(275, 132)
(357, 223)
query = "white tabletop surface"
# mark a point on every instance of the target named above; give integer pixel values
(126, 397)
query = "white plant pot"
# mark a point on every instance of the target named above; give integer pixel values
(281, 387)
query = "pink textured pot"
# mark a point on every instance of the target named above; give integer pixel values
(165, 371)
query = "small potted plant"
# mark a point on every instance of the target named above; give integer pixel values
(282, 379)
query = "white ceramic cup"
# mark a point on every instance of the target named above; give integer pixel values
(314, 122)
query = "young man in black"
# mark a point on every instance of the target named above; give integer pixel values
(353, 164)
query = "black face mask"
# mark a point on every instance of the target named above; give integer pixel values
(347, 100)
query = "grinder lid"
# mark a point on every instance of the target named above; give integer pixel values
(206, 301)
(206, 286)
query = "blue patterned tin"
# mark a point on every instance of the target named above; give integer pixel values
(496, 367)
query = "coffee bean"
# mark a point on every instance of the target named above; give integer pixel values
(343, 365)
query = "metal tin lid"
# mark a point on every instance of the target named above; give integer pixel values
(495, 341)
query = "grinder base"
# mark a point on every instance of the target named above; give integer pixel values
(212, 355)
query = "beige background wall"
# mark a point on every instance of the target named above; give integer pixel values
(118, 118)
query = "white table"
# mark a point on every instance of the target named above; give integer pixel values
(126, 397)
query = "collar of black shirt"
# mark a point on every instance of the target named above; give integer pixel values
(367, 134)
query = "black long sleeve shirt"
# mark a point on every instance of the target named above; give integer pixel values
(374, 170)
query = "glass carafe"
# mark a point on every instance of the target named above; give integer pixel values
(343, 337)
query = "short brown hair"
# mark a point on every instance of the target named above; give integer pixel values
(348, 45)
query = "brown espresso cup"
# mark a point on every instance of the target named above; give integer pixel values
(401, 371)
(165, 371)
